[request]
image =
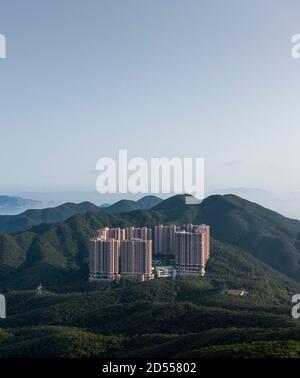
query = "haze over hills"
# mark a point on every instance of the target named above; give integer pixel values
(11, 203)
(286, 203)
(24, 221)
(57, 198)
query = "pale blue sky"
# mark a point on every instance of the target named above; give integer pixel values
(212, 79)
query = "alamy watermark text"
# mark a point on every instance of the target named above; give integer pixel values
(156, 175)
(2, 307)
(2, 46)
(296, 46)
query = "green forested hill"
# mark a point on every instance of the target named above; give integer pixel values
(17, 223)
(52, 253)
(123, 206)
(265, 234)
(161, 318)
(10, 224)
(252, 248)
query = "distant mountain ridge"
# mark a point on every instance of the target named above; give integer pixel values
(124, 206)
(30, 218)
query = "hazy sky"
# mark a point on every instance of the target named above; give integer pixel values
(212, 79)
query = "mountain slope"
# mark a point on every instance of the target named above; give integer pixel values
(21, 222)
(124, 206)
(265, 234)
(159, 318)
(148, 202)
(17, 223)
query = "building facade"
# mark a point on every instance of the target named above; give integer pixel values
(164, 239)
(192, 249)
(136, 258)
(127, 233)
(121, 251)
(104, 258)
(128, 251)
